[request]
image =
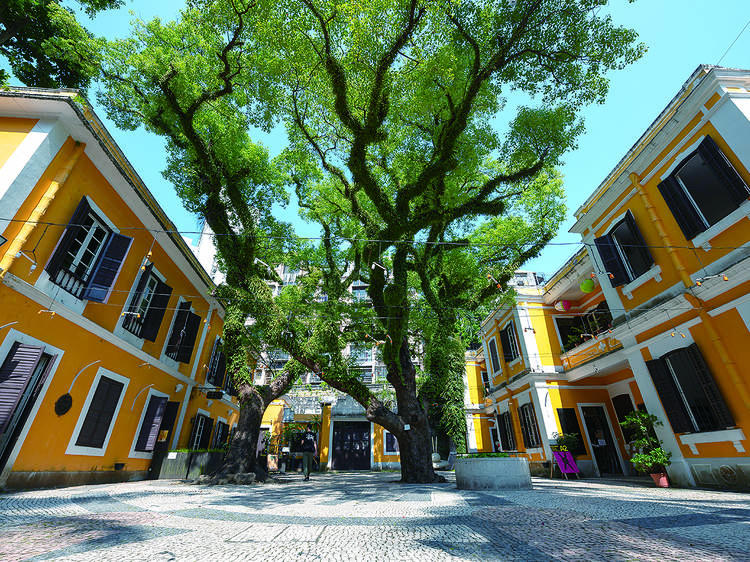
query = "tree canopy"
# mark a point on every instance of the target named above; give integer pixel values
(45, 44)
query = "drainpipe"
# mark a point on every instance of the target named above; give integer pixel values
(41, 207)
(661, 231)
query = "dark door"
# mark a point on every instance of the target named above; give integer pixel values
(602, 443)
(22, 375)
(351, 446)
(162, 442)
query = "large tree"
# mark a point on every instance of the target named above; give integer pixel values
(45, 44)
(202, 82)
(393, 101)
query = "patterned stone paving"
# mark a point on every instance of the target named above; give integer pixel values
(372, 517)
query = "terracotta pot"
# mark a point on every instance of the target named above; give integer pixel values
(661, 480)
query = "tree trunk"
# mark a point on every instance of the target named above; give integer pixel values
(415, 448)
(243, 448)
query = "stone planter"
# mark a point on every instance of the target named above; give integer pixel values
(492, 473)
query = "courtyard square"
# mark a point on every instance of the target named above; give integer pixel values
(371, 516)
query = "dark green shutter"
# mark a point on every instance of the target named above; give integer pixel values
(720, 165)
(81, 212)
(208, 425)
(505, 343)
(151, 423)
(719, 406)
(156, 309)
(15, 374)
(187, 342)
(178, 329)
(682, 209)
(107, 267)
(101, 411)
(493, 356)
(611, 261)
(673, 404)
(640, 241)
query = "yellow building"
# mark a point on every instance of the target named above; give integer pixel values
(109, 335)
(654, 312)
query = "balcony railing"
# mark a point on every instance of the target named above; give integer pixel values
(590, 349)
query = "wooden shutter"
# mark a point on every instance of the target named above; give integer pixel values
(674, 405)
(15, 375)
(156, 309)
(208, 425)
(187, 342)
(178, 328)
(196, 424)
(81, 212)
(493, 356)
(101, 411)
(682, 209)
(107, 267)
(635, 232)
(534, 429)
(524, 428)
(505, 343)
(502, 430)
(714, 396)
(714, 157)
(611, 260)
(213, 364)
(139, 288)
(151, 423)
(221, 369)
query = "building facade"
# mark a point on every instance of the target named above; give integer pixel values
(653, 313)
(109, 335)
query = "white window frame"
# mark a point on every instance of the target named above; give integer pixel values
(513, 343)
(119, 330)
(489, 358)
(74, 449)
(144, 454)
(202, 412)
(386, 451)
(164, 357)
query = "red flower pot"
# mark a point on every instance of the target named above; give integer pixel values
(661, 480)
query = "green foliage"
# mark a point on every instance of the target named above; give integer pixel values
(567, 442)
(46, 46)
(651, 457)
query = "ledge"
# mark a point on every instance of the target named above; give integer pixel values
(734, 435)
(703, 240)
(653, 273)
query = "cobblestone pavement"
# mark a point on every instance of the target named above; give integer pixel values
(372, 517)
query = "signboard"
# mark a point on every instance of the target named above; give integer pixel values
(171, 456)
(565, 461)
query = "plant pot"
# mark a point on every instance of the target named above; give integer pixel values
(661, 479)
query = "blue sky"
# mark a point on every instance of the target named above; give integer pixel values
(679, 34)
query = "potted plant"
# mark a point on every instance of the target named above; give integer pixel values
(651, 457)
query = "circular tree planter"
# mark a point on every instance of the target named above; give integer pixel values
(492, 473)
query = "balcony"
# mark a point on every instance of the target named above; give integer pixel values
(589, 350)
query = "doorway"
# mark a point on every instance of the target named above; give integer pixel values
(22, 375)
(162, 442)
(603, 445)
(351, 445)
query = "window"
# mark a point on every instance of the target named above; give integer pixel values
(102, 408)
(704, 189)
(359, 293)
(486, 383)
(623, 251)
(201, 434)
(493, 356)
(391, 443)
(505, 428)
(184, 331)
(529, 428)
(576, 330)
(690, 397)
(147, 305)
(364, 375)
(509, 343)
(217, 366)
(220, 435)
(149, 431)
(88, 256)
(360, 353)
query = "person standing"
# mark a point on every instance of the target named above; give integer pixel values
(309, 449)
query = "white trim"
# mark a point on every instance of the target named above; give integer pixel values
(11, 337)
(144, 454)
(121, 332)
(198, 349)
(653, 273)
(181, 418)
(734, 435)
(680, 157)
(24, 168)
(163, 357)
(385, 450)
(607, 219)
(212, 445)
(74, 449)
(34, 294)
(703, 240)
(491, 361)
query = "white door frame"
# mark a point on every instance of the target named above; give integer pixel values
(581, 405)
